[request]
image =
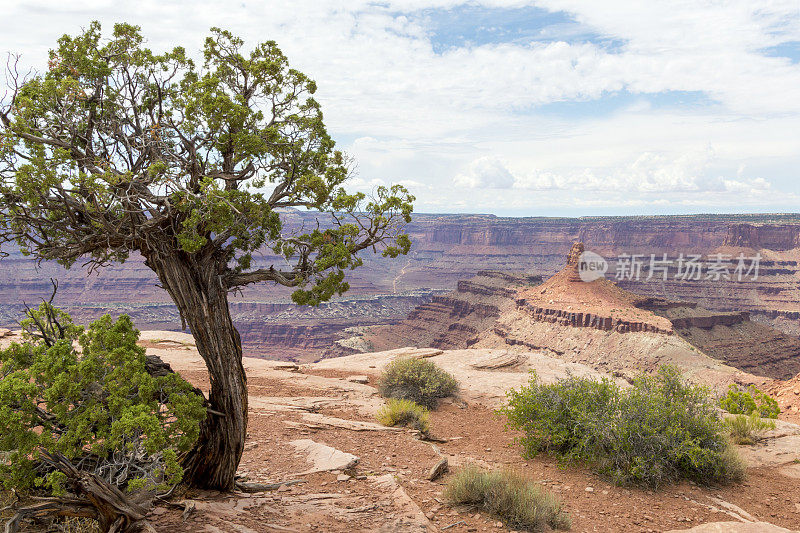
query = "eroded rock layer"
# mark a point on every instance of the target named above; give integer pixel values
(449, 248)
(453, 320)
(595, 323)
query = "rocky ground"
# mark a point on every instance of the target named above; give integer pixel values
(315, 424)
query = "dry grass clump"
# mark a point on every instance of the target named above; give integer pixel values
(747, 429)
(510, 497)
(417, 380)
(405, 413)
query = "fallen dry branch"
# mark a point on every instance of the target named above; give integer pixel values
(264, 487)
(93, 498)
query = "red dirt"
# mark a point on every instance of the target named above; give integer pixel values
(478, 434)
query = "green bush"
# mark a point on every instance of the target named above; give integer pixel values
(659, 430)
(747, 429)
(97, 406)
(508, 496)
(745, 402)
(404, 413)
(418, 380)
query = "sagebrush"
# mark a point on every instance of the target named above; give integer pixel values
(418, 380)
(659, 430)
(512, 498)
(747, 429)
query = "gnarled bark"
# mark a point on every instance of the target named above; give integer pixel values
(202, 299)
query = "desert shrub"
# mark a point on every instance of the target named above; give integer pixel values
(745, 402)
(418, 380)
(96, 406)
(518, 502)
(404, 413)
(747, 429)
(660, 429)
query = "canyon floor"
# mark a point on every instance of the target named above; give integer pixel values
(308, 421)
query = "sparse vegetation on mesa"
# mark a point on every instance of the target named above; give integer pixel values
(405, 413)
(659, 430)
(418, 380)
(746, 402)
(519, 502)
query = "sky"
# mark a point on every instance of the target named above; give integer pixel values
(547, 108)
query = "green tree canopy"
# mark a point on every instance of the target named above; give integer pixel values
(116, 148)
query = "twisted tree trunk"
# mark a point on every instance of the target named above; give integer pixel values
(202, 299)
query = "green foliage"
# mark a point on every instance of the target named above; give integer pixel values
(659, 430)
(404, 413)
(209, 156)
(747, 429)
(745, 402)
(96, 405)
(418, 380)
(507, 495)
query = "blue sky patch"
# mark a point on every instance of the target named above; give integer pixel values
(611, 103)
(469, 25)
(789, 49)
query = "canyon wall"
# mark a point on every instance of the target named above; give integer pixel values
(446, 249)
(595, 323)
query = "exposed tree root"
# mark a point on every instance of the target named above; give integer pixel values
(93, 497)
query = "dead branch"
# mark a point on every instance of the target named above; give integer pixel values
(93, 498)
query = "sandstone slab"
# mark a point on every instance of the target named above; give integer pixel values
(323, 458)
(342, 423)
(411, 518)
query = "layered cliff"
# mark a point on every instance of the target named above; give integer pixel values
(596, 323)
(778, 237)
(449, 248)
(450, 321)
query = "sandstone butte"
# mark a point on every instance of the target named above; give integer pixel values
(596, 323)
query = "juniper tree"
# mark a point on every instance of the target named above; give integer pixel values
(117, 149)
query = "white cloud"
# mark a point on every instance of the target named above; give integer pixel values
(485, 172)
(650, 173)
(409, 113)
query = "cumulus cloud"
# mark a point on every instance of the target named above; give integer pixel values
(410, 111)
(649, 173)
(485, 172)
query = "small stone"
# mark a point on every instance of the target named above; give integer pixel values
(363, 380)
(589, 489)
(342, 477)
(438, 469)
